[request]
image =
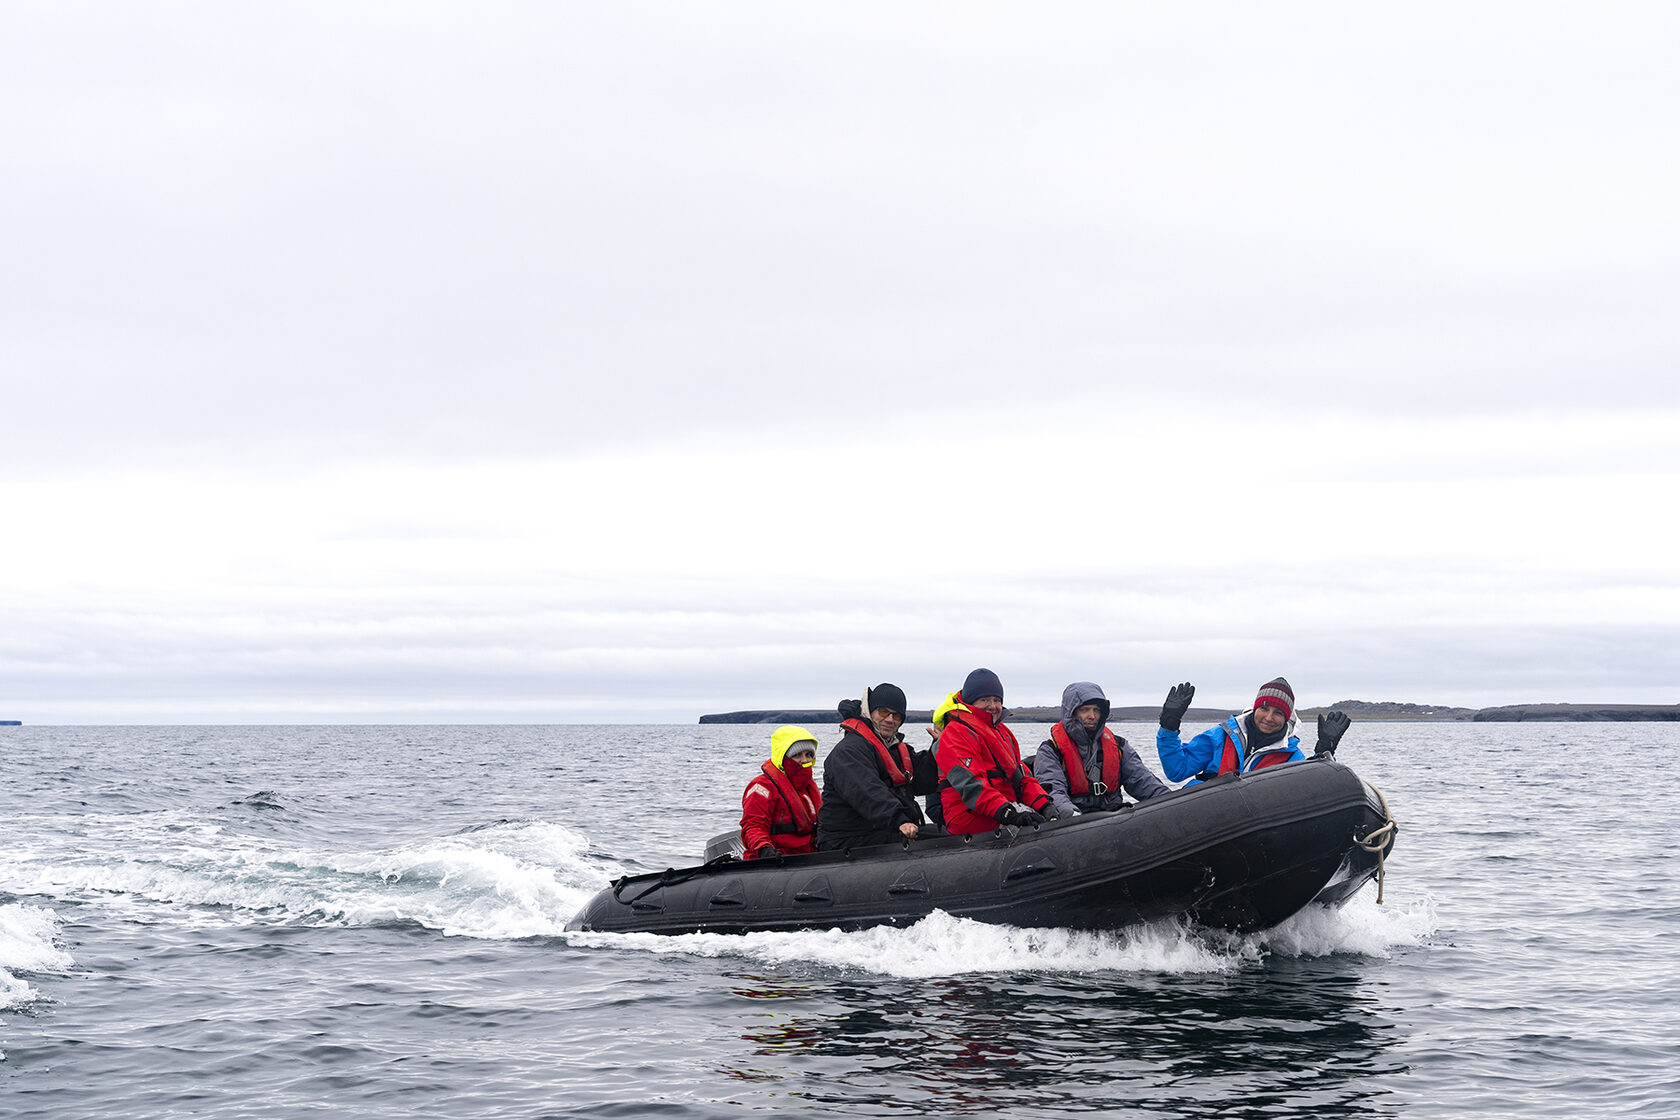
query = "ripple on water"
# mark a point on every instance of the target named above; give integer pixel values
(387, 937)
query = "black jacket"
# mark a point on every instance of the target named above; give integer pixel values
(860, 805)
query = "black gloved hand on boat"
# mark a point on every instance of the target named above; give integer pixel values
(1331, 727)
(769, 851)
(1016, 813)
(1178, 702)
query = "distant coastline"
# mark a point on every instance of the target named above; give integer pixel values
(1358, 709)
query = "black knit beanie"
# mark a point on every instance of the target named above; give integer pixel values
(981, 682)
(888, 696)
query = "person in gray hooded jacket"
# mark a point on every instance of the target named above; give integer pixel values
(1085, 766)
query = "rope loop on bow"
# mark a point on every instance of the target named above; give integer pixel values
(1379, 839)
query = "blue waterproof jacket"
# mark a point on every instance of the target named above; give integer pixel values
(1180, 760)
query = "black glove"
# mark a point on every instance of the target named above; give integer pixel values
(769, 851)
(850, 709)
(1331, 728)
(1016, 813)
(1178, 702)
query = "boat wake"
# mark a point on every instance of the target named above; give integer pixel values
(507, 879)
(27, 936)
(941, 945)
(512, 879)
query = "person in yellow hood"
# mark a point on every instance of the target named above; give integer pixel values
(779, 806)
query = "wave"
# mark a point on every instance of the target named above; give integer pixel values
(27, 935)
(941, 945)
(509, 879)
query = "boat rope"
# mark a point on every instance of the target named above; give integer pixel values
(1379, 838)
(670, 877)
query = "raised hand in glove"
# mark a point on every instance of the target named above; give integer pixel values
(1331, 727)
(1178, 702)
(1018, 814)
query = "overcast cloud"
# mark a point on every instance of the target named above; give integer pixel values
(617, 362)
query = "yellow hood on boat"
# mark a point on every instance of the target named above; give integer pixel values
(951, 703)
(784, 737)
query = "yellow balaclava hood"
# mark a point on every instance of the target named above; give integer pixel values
(783, 738)
(951, 703)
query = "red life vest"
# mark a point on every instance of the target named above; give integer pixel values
(899, 770)
(990, 738)
(804, 821)
(1268, 756)
(1078, 784)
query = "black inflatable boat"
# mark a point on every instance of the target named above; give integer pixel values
(1241, 852)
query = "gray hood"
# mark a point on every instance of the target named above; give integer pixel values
(1078, 694)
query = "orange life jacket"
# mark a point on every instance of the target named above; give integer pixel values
(900, 769)
(1268, 756)
(804, 820)
(1078, 784)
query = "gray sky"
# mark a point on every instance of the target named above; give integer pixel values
(618, 362)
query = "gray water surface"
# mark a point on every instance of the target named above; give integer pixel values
(368, 921)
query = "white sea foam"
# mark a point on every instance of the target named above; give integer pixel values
(1361, 926)
(516, 879)
(941, 945)
(507, 880)
(26, 945)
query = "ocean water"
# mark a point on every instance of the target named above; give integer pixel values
(369, 922)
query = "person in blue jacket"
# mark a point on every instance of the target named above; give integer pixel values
(1265, 735)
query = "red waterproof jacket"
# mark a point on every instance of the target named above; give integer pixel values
(780, 808)
(980, 772)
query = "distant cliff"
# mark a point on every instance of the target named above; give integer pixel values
(1040, 714)
(1358, 709)
(1578, 713)
(794, 716)
(1390, 709)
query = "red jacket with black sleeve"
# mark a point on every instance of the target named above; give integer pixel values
(980, 772)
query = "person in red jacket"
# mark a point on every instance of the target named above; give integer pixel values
(779, 806)
(981, 780)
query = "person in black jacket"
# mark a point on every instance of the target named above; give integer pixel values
(871, 778)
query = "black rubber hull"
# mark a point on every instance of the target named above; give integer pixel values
(1237, 853)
